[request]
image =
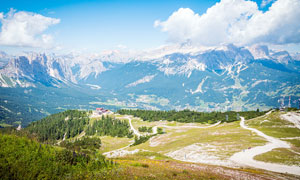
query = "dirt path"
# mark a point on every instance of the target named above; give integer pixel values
(122, 151)
(154, 130)
(136, 132)
(245, 157)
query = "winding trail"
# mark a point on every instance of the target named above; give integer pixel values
(246, 157)
(154, 130)
(136, 132)
(122, 152)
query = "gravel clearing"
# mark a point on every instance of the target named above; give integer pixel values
(199, 153)
(293, 118)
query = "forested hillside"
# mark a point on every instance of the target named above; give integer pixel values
(57, 126)
(23, 158)
(109, 126)
(188, 116)
(70, 123)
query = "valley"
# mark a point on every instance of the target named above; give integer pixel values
(150, 90)
(224, 78)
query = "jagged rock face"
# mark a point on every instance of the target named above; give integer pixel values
(38, 68)
(223, 78)
(260, 52)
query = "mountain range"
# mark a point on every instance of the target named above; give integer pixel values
(223, 78)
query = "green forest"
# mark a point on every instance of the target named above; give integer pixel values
(188, 116)
(145, 129)
(109, 126)
(70, 123)
(57, 126)
(141, 139)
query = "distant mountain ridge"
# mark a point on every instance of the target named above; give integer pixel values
(204, 79)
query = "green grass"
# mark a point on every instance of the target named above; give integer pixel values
(5, 125)
(273, 125)
(146, 155)
(281, 156)
(139, 168)
(154, 169)
(228, 138)
(295, 143)
(111, 143)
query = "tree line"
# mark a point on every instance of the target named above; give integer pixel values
(145, 129)
(188, 116)
(66, 124)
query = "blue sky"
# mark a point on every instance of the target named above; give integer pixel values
(99, 25)
(106, 24)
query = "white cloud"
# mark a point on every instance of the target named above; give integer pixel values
(25, 29)
(264, 3)
(235, 21)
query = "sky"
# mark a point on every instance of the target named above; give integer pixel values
(97, 25)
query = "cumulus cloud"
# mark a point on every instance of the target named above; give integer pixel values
(264, 3)
(235, 21)
(25, 29)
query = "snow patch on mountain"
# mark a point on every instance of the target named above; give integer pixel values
(94, 86)
(186, 67)
(241, 67)
(199, 88)
(259, 81)
(191, 65)
(141, 81)
(6, 109)
(9, 82)
(54, 73)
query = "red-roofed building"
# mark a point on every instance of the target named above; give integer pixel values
(101, 111)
